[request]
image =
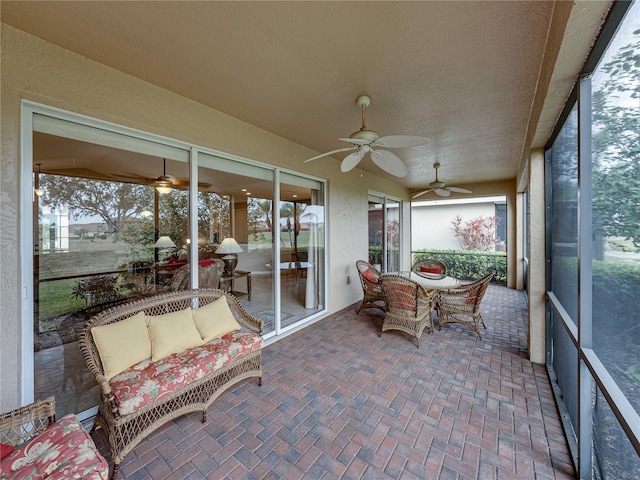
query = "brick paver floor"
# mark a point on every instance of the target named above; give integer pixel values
(338, 401)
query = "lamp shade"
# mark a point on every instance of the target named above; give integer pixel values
(164, 242)
(229, 245)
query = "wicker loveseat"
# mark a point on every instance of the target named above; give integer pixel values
(170, 377)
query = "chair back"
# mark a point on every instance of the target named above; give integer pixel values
(401, 294)
(469, 296)
(429, 265)
(480, 288)
(208, 275)
(369, 276)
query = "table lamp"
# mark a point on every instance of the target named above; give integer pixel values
(164, 242)
(229, 248)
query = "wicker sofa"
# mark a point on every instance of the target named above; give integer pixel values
(34, 445)
(176, 373)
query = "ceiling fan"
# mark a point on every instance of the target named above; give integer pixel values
(440, 188)
(164, 183)
(367, 141)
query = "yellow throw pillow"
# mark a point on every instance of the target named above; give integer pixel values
(172, 333)
(215, 319)
(122, 344)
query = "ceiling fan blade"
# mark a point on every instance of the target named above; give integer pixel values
(422, 193)
(351, 160)
(443, 192)
(330, 153)
(459, 190)
(356, 141)
(184, 182)
(400, 141)
(389, 162)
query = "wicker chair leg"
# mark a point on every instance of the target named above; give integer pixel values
(259, 381)
(114, 474)
(204, 416)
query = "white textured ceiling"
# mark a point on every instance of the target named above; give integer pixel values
(464, 74)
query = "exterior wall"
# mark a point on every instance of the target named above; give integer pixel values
(432, 226)
(41, 72)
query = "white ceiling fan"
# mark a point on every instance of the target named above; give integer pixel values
(367, 141)
(440, 188)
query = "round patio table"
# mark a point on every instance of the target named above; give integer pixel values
(431, 283)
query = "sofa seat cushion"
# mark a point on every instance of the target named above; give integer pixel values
(148, 382)
(63, 451)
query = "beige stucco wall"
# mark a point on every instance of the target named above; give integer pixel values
(431, 225)
(41, 72)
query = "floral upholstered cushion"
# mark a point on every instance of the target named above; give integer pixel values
(147, 381)
(62, 452)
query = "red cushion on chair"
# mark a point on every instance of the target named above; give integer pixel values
(174, 264)
(368, 274)
(206, 262)
(431, 269)
(5, 450)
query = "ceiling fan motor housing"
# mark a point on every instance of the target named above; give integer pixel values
(368, 135)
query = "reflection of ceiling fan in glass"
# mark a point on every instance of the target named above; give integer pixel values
(164, 183)
(367, 141)
(439, 187)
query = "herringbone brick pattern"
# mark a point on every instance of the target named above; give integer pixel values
(340, 402)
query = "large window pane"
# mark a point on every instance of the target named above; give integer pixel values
(301, 230)
(613, 455)
(98, 219)
(563, 161)
(235, 202)
(393, 236)
(616, 207)
(376, 227)
(564, 358)
(384, 233)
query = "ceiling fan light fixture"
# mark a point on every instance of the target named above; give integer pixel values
(439, 187)
(164, 184)
(37, 190)
(164, 187)
(367, 141)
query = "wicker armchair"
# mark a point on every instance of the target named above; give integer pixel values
(409, 305)
(370, 280)
(462, 304)
(429, 266)
(21, 424)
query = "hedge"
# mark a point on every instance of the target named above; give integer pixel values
(469, 264)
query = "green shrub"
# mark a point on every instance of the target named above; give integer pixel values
(468, 265)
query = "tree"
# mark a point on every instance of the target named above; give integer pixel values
(113, 202)
(616, 146)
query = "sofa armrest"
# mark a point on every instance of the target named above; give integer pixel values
(20, 424)
(247, 321)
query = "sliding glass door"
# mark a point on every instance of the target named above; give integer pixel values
(384, 233)
(119, 215)
(103, 235)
